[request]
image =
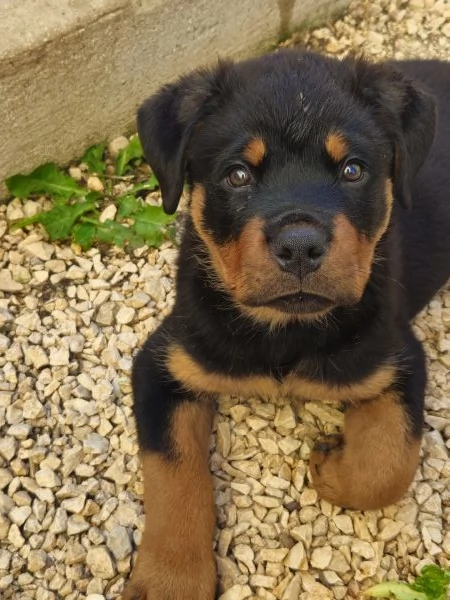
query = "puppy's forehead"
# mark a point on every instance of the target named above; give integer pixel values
(295, 85)
(291, 96)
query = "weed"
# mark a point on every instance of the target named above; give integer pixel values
(432, 584)
(75, 213)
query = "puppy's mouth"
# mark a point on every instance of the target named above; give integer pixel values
(300, 302)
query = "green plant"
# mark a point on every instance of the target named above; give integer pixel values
(75, 212)
(432, 584)
(131, 152)
(93, 159)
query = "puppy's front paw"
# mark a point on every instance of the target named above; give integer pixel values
(373, 463)
(328, 469)
(175, 580)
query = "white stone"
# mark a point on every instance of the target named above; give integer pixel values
(269, 445)
(262, 581)
(296, 559)
(59, 357)
(292, 591)
(59, 523)
(117, 144)
(95, 184)
(21, 431)
(103, 390)
(106, 314)
(256, 423)
(76, 524)
(289, 445)
(118, 541)
(390, 531)
(237, 592)
(245, 554)
(100, 562)
(19, 514)
(40, 250)
(95, 444)
(20, 274)
(108, 213)
(223, 438)
(344, 523)
(116, 472)
(7, 283)
(308, 497)
(285, 418)
(5, 478)
(75, 173)
(47, 478)
(74, 505)
(28, 320)
(76, 343)
(37, 356)
(362, 548)
(8, 448)
(33, 409)
(15, 537)
(321, 557)
(125, 315)
(37, 560)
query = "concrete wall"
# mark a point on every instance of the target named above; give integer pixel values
(72, 72)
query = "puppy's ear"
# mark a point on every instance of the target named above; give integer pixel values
(165, 125)
(407, 113)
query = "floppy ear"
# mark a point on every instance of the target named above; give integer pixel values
(165, 125)
(407, 112)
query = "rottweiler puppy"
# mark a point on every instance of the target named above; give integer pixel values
(318, 226)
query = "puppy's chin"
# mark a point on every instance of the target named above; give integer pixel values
(299, 303)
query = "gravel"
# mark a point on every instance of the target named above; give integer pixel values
(70, 484)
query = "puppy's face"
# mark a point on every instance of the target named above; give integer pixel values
(294, 160)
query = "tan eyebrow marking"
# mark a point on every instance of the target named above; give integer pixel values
(255, 151)
(336, 146)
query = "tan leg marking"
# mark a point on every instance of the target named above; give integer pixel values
(195, 377)
(175, 559)
(373, 463)
(255, 151)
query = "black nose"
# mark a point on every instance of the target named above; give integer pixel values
(299, 249)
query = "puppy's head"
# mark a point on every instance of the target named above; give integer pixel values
(294, 162)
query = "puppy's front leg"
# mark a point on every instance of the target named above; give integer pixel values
(175, 559)
(373, 463)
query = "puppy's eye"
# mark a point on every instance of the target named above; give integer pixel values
(352, 171)
(239, 177)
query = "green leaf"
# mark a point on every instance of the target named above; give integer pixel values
(84, 234)
(45, 179)
(400, 591)
(151, 185)
(154, 214)
(93, 158)
(111, 232)
(59, 220)
(150, 223)
(150, 232)
(433, 581)
(128, 205)
(125, 156)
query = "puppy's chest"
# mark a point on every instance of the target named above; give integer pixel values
(196, 377)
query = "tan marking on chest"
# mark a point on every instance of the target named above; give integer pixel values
(196, 378)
